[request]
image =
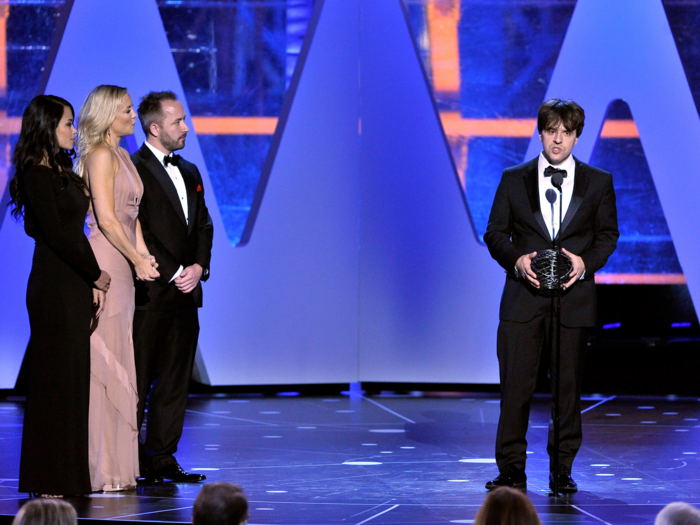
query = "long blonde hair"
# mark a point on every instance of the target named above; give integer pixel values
(96, 116)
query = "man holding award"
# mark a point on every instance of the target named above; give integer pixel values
(524, 223)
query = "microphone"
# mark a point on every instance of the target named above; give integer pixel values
(551, 196)
(557, 180)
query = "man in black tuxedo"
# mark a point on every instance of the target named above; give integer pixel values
(520, 225)
(178, 232)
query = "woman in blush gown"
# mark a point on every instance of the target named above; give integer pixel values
(106, 116)
(64, 293)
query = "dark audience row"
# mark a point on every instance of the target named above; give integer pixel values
(225, 504)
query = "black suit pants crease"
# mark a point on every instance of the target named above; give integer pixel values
(165, 343)
(520, 346)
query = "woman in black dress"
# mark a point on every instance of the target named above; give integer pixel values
(65, 292)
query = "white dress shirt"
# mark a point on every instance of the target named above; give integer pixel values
(175, 175)
(567, 188)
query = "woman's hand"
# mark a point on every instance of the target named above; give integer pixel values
(145, 271)
(150, 259)
(102, 283)
(98, 302)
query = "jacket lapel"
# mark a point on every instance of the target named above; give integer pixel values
(190, 185)
(580, 186)
(533, 193)
(158, 171)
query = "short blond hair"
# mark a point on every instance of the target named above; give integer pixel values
(96, 116)
(46, 512)
(678, 513)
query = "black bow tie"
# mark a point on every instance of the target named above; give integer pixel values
(551, 170)
(174, 160)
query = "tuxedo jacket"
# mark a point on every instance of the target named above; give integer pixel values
(169, 237)
(516, 227)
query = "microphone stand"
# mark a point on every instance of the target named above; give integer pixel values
(557, 180)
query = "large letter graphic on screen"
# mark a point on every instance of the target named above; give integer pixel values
(27, 57)
(94, 50)
(625, 49)
(15, 263)
(429, 291)
(283, 309)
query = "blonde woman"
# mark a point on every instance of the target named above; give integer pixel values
(107, 115)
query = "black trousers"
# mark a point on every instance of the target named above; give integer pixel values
(165, 343)
(520, 346)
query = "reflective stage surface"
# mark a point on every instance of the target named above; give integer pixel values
(400, 460)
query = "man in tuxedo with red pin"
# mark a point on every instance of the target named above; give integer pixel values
(178, 231)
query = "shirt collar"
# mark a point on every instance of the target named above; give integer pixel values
(158, 154)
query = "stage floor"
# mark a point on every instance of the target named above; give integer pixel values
(400, 460)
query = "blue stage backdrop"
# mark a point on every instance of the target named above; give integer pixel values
(490, 66)
(429, 291)
(235, 61)
(350, 178)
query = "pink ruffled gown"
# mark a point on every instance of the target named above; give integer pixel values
(113, 436)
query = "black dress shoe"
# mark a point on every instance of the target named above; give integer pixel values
(567, 485)
(512, 477)
(148, 477)
(174, 472)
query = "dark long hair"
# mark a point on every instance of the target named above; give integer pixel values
(38, 143)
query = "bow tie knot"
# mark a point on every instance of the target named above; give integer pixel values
(171, 159)
(551, 170)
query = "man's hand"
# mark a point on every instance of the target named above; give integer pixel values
(577, 271)
(188, 279)
(524, 267)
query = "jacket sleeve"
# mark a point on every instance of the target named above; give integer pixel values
(40, 187)
(205, 233)
(500, 229)
(605, 233)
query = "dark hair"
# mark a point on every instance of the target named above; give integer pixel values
(556, 111)
(220, 504)
(38, 143)
(46, 512)
(151, 110)
(506, 506)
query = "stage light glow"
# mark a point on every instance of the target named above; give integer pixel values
(611, 326)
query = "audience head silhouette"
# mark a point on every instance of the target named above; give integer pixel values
(46, 512)
(506, 506)
(678, 513)
(220, 504)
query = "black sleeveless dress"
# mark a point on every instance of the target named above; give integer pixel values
(59, 300)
